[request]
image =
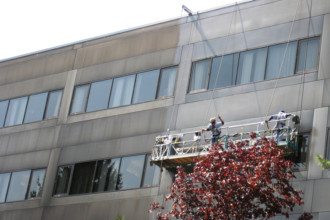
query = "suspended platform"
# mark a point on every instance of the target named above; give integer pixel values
(177, 149)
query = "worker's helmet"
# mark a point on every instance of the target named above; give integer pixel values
(212, 120)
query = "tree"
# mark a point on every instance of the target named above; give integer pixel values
(241, 182)
(324, 163)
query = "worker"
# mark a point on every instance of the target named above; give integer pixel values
(214, 127)
(280, 124)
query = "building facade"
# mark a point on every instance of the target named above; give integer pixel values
(78, 122)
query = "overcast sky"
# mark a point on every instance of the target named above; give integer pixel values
(32, 25)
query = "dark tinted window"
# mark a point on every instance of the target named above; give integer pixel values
(106, 175)
(62, 180)
(82, 178)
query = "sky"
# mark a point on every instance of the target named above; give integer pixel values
(29, 26)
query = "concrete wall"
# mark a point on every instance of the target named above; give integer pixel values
(131, 129)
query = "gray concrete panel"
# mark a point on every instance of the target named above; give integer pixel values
(28, 141)
(324, 216)
(326, 93)
(321, 197)
(127, 125)
(40, 66)
(258, 38)
(37, 85)
(131, 65)
(183, 74)
(23, 214)
(66, 97)
(324, 64)
(31, 160)
(131, 46)
(107, 149)
(53, 213)
(317, 142)
(28, 126)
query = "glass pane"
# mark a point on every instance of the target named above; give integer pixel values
(36, 107)
(278, 54)
(300, 157)
(79, 99)
(146, 86)
(4, 180)
(122, 91)
(167, 82)
(151, 173)
(199, 75)
(82, 178)
(308, 55)
(328, 148)
(36, 183)
(99, 95)
(226, 75)
(62, 179)
(106, 175)
(130, 173)
(3, 111)
(18, 185)
(251, 67)
(53, 105)
(16, 111)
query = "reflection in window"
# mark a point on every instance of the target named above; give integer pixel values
(106, 175)
(167, 81)
(36, 183)
(99, 94)
(251, 66)
(146, 86)
(36, 107)
(122, 91)
(53, 105)
(18, 185)
(4, 181)
(131, 172)
(82, 178)
(79, 99)
(308, 55)
(226, 75)
(3, 112)
(16, 111)
(281, 55)
(151, 173)
(199, 75)
(300, 156)
(62, 179)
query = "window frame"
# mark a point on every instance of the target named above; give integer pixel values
(47, 102)
(317, 58)
(207, 75)
(159, 82)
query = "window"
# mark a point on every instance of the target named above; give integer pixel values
(99, 94)
(199, 75)
(3, 112)
(328, 148)
(16, 111)
(36, 183)
(167, 81)
(308, 55)
(282, 55)
(224, 76)
(4, 181)
(131, 172)
(146, 86)
(301, 152)
(53, 105)
(62, 180)
(251, 66)
(106, 175)
(151, 173)
(35, 107)
(79, 99)
(18, 185)
(82, 178)
(122, 91)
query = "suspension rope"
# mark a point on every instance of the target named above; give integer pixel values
(220, 65)
(286, 48)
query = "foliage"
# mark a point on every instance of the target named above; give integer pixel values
(324, 163)
(241, 182)
(120, 217)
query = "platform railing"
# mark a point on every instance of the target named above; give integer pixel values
(195, 143)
